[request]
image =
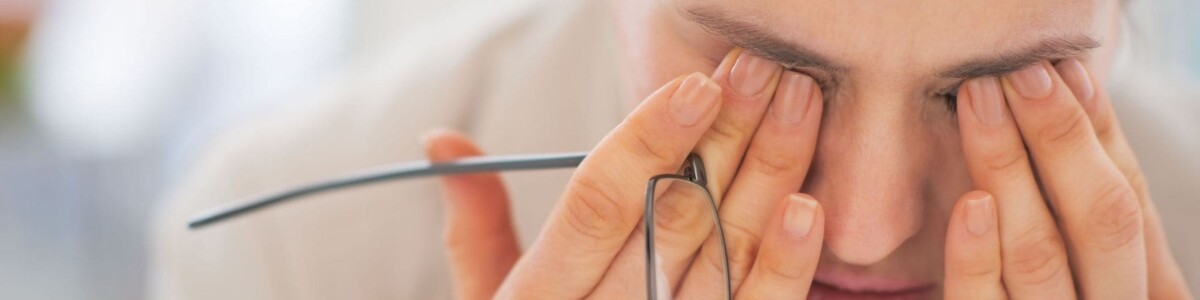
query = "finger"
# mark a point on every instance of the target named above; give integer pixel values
(1099, 111)
(748, 82)
(604, 200)
(1098, 209)
(1034, 256)
(479, 234)
(775, 165)
(973, 265)
(1165, 278)
(682, 220)
(673, 227)
(790, 249)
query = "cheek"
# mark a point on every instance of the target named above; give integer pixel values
(950, 178)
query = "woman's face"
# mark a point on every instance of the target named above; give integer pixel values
(889, 164)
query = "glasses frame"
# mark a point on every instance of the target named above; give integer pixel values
(692, 172)
(479, 164)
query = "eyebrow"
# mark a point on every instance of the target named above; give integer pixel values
(1047, 49)
(762, 42)
(751, 36)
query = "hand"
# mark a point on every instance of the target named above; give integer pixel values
(1069, 219)
(752, 119)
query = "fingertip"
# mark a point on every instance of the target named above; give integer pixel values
(786, 262)
(973, 259)
(975, 195)
(721, 74)
(696, 100)
(980, 212)
(430, 137)
(1078, 80)
(443, 144)
(793, 97)
(1034, 82)
(802, 215)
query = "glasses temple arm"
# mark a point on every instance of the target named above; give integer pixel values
(402, 171)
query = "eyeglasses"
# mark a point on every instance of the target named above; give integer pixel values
(674, 190)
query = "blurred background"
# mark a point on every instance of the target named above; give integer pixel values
(104, 104)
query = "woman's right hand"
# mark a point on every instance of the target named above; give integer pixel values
(755, 126)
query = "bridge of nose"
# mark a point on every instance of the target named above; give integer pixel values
(870, 174)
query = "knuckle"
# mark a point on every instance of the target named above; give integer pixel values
(716, 262)
(679, 215)
(742, 245)
(771, 164)
(724, 132)
(973, 269)
(1008, 161)
(1115, 218)
(741, 249)
(1105, 130)
(647, 145)
(1070, 131)
(1137, 180)
(593, 209)
(784, 272)
(1037, 257)
(1104, 124)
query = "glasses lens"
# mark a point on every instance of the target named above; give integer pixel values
(683, 218)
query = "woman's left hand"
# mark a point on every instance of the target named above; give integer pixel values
(1063, 211)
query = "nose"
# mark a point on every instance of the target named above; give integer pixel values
(868, 171)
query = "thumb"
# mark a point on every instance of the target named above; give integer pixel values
(479, 234)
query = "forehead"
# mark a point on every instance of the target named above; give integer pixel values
(908, 34)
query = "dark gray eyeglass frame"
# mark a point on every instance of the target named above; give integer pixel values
(692, 173)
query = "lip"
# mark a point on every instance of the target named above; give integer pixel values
(838, 285)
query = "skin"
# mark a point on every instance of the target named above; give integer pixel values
(899, 187)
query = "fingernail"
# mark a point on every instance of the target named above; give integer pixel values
(1077, 79)
(1032, 83)
(792, 97)
(798, 219)
(979, 215)
(693, 99)
(751, 74)
(987, 100)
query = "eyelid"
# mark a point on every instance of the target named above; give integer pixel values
(953, 88)
(824, 81)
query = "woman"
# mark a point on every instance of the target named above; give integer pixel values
(857, 149)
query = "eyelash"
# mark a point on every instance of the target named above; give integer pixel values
(950, 96)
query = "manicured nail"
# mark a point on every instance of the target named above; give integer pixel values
(693, 99)
(1032, 83)
(792, 98)
(1076, 77)
(751, 74)
(987, 100)
(979, 215)
(798, 219)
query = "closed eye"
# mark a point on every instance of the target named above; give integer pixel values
(950, 96)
